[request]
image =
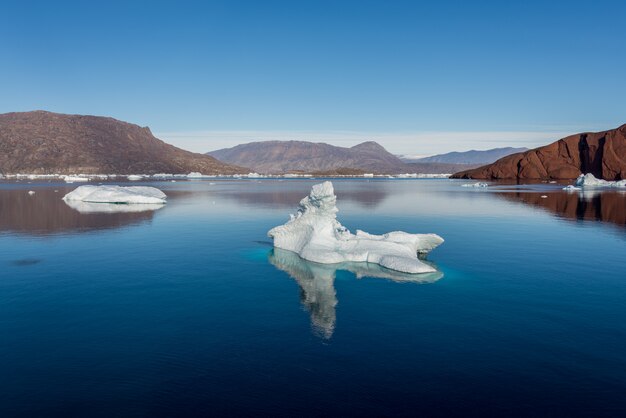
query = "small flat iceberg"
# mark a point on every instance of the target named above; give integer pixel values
(315, 235)
(117, 194)
(75, 179)
(479, 184)
(589, 180)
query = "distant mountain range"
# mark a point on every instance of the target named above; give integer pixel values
(601, 153)
(467, 157)
(51, 143)
(321, 158)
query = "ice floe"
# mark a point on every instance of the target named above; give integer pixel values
(315, 234)
(479, 184)
(589, 180)
(75, 179)
(117, 194)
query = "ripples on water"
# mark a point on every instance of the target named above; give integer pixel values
(186, 309)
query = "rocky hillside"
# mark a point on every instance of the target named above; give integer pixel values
(601, 153)
(309, 157)
(43, 142)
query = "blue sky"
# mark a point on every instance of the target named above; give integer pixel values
(420, 77)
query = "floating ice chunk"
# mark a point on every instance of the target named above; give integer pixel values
(479, 184)
(30, 192)
(194, 175)
(315, 234)
(134, 177)
(254, 175)
(589, 180)
(571, 188)
(543, 196)
(117, 194)
(75, 179)
(370, 175)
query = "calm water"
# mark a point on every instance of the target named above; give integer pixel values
(188, 310)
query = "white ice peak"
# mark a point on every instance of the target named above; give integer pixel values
(314, 233)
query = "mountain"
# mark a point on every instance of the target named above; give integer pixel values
(308, 157)
(43, 142)
(467, 157)
(601, 153)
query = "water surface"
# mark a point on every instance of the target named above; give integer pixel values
(188, 310)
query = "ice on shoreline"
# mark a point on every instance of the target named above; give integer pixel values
(315, 234)
(117, 194)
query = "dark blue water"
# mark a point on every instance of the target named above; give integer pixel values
(187, 310)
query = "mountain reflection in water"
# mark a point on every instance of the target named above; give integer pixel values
(317, 289)
(588, 205)
(45, 212)
(367, 194)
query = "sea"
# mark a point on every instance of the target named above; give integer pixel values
(186, 309)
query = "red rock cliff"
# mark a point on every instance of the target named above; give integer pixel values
(601, 153)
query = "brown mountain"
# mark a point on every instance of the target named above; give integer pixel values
(308, 157)
(277, 157)
(43, 142)
(601, 153)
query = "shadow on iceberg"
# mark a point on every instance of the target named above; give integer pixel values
(317, 288)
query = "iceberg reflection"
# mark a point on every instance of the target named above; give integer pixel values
(316, 281)
(89, 207)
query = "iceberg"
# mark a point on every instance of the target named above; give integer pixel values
(479, 184)
(134, 177)
(75, 179)
(117, 194)
(315, 234)
(589, 180)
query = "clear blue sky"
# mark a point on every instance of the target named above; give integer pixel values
(205, 73)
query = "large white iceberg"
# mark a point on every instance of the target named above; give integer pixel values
(315, 234)
(589, 180)
(117, 194)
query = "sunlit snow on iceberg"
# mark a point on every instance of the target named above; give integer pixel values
(315, 234)
(117, 194)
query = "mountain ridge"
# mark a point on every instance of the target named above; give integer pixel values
(42, 142)
(477, 157)
(601, 153)
(303, 156)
